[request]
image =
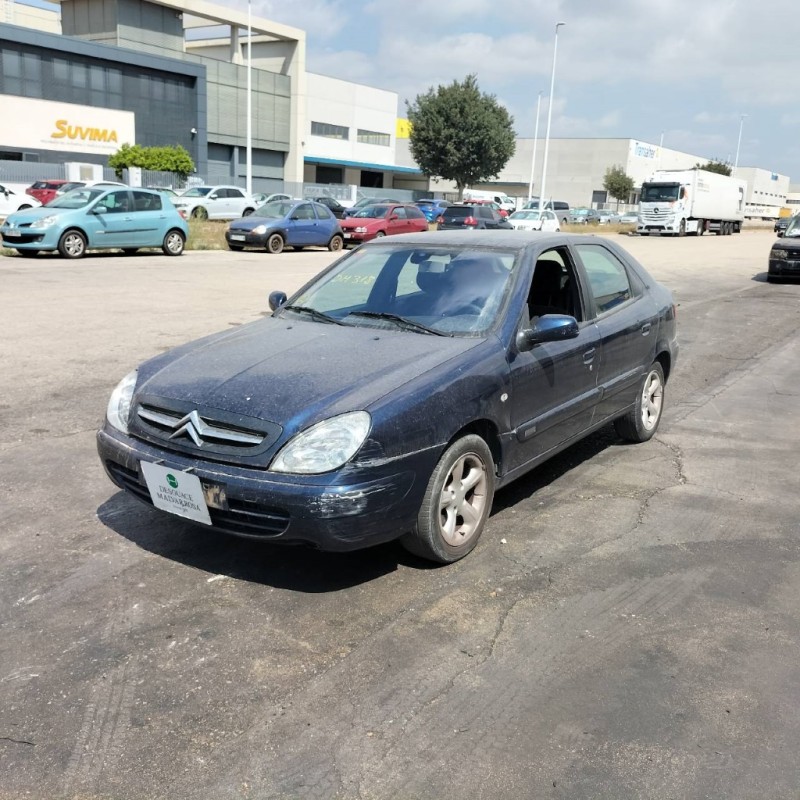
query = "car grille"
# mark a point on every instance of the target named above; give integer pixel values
(213, 433)
(240, 516)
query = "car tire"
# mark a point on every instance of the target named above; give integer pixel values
(247, 212)
(275, 244)
(130, 251)
(682, 229)
(701, 227)
(438, 535)
(24, 207)
(174, 243)
(28, 253)
(641, 422)
(336, 243)
(380, 234)
(72, 244)
(199, 213)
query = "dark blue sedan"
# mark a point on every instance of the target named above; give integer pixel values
(393, 394)
(297, 223)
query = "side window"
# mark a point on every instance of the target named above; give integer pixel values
(238, 194)
(322, 212)
(115, 203)
(486, 213)
(608, 278)
(414, 213)
(400, 213)
(554, 289)
(304, 212)
(145, 201)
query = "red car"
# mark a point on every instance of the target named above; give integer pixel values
(45, 191)
(382, 219)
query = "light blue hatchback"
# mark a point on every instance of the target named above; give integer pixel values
(99, 217)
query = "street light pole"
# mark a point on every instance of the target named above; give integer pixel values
(739, 143)
(543, 196)
(249, 145)
(535, 141)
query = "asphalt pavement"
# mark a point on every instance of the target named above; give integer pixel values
(626, 628)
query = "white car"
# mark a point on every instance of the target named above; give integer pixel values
(215, 202)
(531, 220)
(11, 201)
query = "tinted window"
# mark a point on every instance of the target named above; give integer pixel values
(457, 212)
(322, 212)
(414, 213)
(115, 203)
(237, 193)
(146, 201)
(304, 211)
(608, 278)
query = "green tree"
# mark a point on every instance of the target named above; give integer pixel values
(715, 166)
(618, 184)
(159, 159)
(460, 134)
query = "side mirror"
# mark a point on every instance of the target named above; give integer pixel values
(276, 300)
(548, 328)
(393, 218)
(100, 210)
(294, 217)
(213, 197)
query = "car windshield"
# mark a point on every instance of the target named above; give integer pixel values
(794, 227)
(660, 192)
(198, 191)
(448, 291)
(277, 209)
(372, 212)
(77, 198)
(525, 215)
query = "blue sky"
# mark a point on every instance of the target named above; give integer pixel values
(687, 68)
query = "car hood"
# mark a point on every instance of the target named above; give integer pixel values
(362, 222)
(248, 223)
(30, 215)
(295, 372)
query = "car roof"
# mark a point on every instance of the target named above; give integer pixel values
(505, 239)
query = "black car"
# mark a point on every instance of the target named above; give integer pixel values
(784, 258)
(781, 224)
(472, 216)
(336, 208)
(391, 395)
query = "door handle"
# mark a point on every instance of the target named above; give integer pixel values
(588, 356)
(646, 328)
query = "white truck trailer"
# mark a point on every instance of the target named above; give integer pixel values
(680, 201)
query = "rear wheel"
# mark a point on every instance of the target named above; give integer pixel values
(456, 504)
(641, 422)
(247, 212)
(336, 243)
(72, 244)
(199, 213)
(174, 243)
(24, 207)
(275, 244)
(701, 227)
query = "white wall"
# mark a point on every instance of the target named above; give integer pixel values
(766, 191)
(25, 16)
(354, 106)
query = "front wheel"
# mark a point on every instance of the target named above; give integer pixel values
(72, 244)
(174, 243)
(275, 244)
(641, 422)
(247, 212)
(682, 229)
(456, 504)
(336, 243)
(379, 234)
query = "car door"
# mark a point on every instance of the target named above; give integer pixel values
(396, 220)
(324, 227)
(627, 320)
(149, 217)
(302, 229)
(110, 221)
(554, 385)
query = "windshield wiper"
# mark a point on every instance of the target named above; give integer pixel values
(313, 313)
(403, 322)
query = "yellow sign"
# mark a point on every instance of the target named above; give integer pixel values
(63, 129)
(403, 129)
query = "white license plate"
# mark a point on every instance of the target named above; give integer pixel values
(180, 493)
(348, 236)
(11, 234)
(237, 237)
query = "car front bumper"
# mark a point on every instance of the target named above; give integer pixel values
(248, 239)
(30, 238)
(788, 267)
(348, 509)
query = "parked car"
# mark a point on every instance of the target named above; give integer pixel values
(262, 198)
(45, 191)
(10, 201)
(167, 190)
(97, 218)
(529, 220)
(333, 205)
(383, 219)
(626, 218)
(432, 209)
(364, 202)
(474, 216)
(584, 216)
(396, 391)
(781, 224)
(297, 223)
(215, 202)
(559, 206)
(784, 257)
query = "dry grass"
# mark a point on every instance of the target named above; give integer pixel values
(207, 235)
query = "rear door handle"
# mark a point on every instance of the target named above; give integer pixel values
(646, 328)
(588, 356)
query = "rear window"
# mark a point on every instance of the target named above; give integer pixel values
(458, 212)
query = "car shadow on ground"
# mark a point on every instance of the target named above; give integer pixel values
(300, 567)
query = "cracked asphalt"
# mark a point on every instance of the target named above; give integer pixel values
(626, 628)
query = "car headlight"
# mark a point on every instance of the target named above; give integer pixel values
(259, 229)
(779, 254)
(360, 230)
(325, 446)
(47, 222)
(119, 404)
